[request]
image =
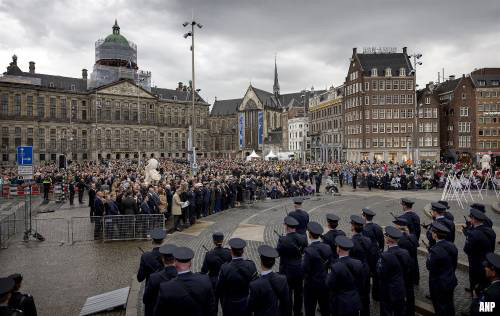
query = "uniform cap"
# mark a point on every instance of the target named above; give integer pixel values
(393, 232)
(332, 217)
(445, 203)
(315, 228)
(237, 243)
(291, 222)
(368, 212)
(438, 207)
(267, 251)
(218, 236)
(358, 220)
(17, 277)
(400, 221)
(477, 214)
(493, 259)
(479, 206)
(344, 242)
(407, 202)
(167, 249)
(6, 285)
(183, 254)
(157, 234)
(298, 200)
(438, 227)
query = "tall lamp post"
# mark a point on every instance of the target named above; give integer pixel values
(193, 23)
(416, 63)
(139, 80)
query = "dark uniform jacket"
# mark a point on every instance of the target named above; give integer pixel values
(448, 224)
(374, 232)
(23, 302)
(233, 284)
(406, 265)
(99, 207)
(329, 239)
(302, 217)
(391, 276)
(480, 241)
(410, 243)
(364, 251)
(345, 282)
(442, 263)
(129, 206)
(189, 294)
(92, 195)
(269, 296)
(214, 259)
(153, 287)
(413, 223)
(7, 311)
(315, 264)
(290, 248)
(150, 262)
(490, 294)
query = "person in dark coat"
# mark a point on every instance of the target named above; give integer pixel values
(480, 240)
(412, 218)
(7, 285)
(482, 208)
(329, 238)
(81, 189)
(492, 293)
(318, 178)
(92, 195)
(99, 210)
(269, 294)
(354, 180)
(189, 294)
(447, 213)
(410, 243)
(129, 204)
(157, 278)
(438, 211)
(206, 199)
(234, 280)
(214, 259)
(71, 189)
(300, 215)
(442, 263)
(21, 301)
(376, 235)
(291, 248)
(317, 259)
(169, 195)
(345, 281)
(151, 261)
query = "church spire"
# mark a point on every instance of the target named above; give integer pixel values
(276, 86)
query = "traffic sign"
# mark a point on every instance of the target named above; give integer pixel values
(25, 155)
(25, 171)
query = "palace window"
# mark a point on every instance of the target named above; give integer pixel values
(29, 109)
(64, 110)
(17, 104)
(74, 109)
(40, 105)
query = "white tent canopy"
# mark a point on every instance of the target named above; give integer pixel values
(270, 156)
(253, 155)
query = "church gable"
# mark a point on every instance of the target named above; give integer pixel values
(125, 88)
(250, 101)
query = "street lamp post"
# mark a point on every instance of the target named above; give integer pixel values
(139, 122)
(416, 63)
(193, 23)
(96, 106)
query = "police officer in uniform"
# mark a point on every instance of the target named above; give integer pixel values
(442, 263)
(214, 259)
(492, 292)
(315, 263)
(157, 278)
(410, 243)
(376, 235)
(189, 294)
(290, 248)
(447, 213)
(364, 251)
(393, 269)
(7, 285)
(329, 238)
(438, 211)
(480, 240)
(412, 218)
(234, 280)
(151, 261)
(269, 294)
(482, 208)
(345, 281)
(300, 215)
(21, 301)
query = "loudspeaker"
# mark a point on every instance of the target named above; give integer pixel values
(62, 161)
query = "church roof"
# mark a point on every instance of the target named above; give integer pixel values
(172, 94)
(116, 37)
(226, 107)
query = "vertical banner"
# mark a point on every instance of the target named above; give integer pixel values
(242, 129)
(261, 127)
(190, 145)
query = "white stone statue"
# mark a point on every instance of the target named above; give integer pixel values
(150, 172)
(485, 162)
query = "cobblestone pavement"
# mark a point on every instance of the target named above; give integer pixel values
(62, 276)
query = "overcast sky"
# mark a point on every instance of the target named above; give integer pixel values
(312, 39)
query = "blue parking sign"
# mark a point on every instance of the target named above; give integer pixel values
(24, 155)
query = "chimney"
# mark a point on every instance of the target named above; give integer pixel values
(452, 77)
(463, 75)
(354, 51)
(84, 73)
(404, 50)
(32, 67)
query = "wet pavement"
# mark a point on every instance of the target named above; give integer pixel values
(61, 275)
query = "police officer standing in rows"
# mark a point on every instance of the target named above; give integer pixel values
(157, 278)
(315, 264)
(442, 263)
(189, 294)
(300, 215)
(269, 294)
(7, 285)
(214, 259)
(151, 261)
(345, 281)
(290, 248)
(482, 208)
(492, 293)
(330, 236)
(234, 280)
(376, 235)
(480, 240)
(412, 218)
(438, 211)
(21, 301)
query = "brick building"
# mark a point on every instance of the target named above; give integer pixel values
(223, 122)
(428, 124)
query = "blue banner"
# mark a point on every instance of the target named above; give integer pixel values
(261, 127)
(24, 155)
(241, 124)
